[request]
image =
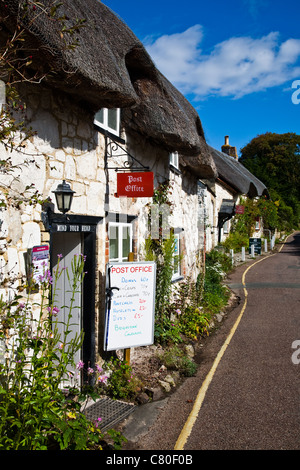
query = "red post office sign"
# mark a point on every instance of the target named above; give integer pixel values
(137, 184)
(239, 209)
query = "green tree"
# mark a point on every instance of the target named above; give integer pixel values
(275, 160)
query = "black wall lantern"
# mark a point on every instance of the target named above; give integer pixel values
(64, 196)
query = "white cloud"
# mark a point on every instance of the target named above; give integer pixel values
(235, 67)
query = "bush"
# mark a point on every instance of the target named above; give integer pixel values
(235, 241)
(175, 358)
(38, 411)
(194, 322)
(120, 381)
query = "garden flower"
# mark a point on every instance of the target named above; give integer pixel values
(53, 310)
(80, 365)
(90, 371)
(102, 379)
(97, 422)
(178, 311)
(46, 277)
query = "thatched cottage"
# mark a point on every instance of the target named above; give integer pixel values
(97, 110)
(223, 193)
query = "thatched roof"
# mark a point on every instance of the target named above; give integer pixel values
(234, 174)
(96, 70)
(109, 68)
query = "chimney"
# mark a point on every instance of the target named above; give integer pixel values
(226, 148)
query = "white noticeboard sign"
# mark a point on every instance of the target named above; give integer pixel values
(130, 305)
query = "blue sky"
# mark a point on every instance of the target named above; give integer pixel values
(234, 60)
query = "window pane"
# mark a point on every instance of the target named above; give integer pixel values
(125, 243)
(113, 242)
(174, 160)
(176, 259)
(99, 116)
(112, 118)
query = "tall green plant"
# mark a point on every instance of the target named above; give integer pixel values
(36, 413)
(161, 250)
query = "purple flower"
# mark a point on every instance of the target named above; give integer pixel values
(46, 277)
(97, 422)
(102, 379)
(80, 365)
(53, 311)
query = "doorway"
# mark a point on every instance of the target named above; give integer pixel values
(67, 245)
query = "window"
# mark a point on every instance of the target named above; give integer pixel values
(174, 160)
(212, 216)
(120, 241)
(108, 119)
(176, 257)
(226, 226)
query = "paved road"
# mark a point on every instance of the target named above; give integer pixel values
(253, 398)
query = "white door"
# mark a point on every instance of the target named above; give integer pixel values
(68, 245)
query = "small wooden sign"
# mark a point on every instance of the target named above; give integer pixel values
(137, 184)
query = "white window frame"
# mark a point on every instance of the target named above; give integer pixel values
(104, 125)
(174, 160)
(120, 226)
(176, 274)
(212, 216)
(226, 226)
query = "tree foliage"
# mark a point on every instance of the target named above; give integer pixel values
(275, 160)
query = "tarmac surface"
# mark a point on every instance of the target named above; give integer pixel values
(253, 399)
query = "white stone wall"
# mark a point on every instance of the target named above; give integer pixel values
(68, 146)
(213, 204)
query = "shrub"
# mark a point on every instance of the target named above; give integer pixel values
(175, 358)
(38, 412)
(235, 241)
(194, 322)
(120, 380)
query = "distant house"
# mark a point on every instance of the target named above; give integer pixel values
(223, 193)
(101, 109)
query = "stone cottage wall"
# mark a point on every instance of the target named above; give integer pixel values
(68, 146)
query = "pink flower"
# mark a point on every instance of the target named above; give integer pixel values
(97, 422)
(53, 310)
(102, 379)
(80, 365)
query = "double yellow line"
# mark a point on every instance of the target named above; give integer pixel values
(187, 429)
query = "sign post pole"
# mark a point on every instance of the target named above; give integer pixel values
(127, 350)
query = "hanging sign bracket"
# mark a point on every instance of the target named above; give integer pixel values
(112, 146)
